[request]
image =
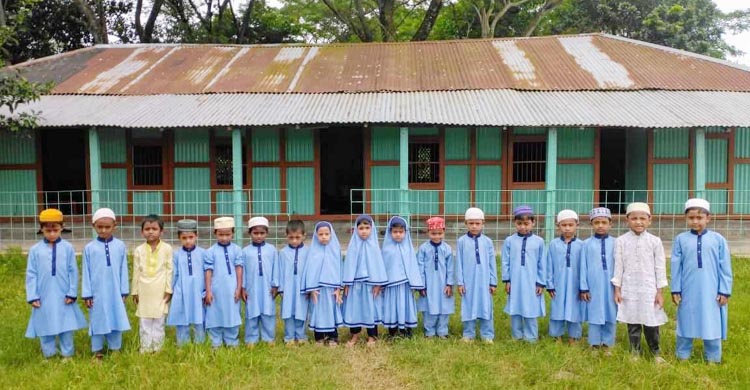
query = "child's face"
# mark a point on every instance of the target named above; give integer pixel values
(398, 233)
(324, 235)
(258, 234)
(474, 226)
(697, 220)
(638, 221)
(105, 227)
(568, 227)
(524, 225)
(295, 238)
(151, 231)
(51, 231)
(601, 225)
(363, 231)
(436, 235)
(224, 236)
(188, 239)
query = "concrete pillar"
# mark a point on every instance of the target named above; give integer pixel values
(700, 162)
(95, 169)
(403, 165)
(237, 184)
(551, 175)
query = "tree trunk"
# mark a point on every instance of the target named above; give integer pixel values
(430, 16)
(92, 23)
(243, 30)
(385, 17)
(148, 32)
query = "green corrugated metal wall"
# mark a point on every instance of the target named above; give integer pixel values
(716, 160)
(742, 185)
(115, 189)
(537, 199)
(384, 179)
(424, 202)
(489, 143)
(579, 179)
(384, 144)
(574, 142)
(113, 146)
(147, 202)
(718, 199)
(490, 179)
(429, 131)
(457, 197)
(265, 144)
(17, 149)
(191, 145)
(18, 193)
(670, 188)
(530, 131)
(299, 145)
(266, 194)
(300, 182)
(225, 203)
(742, 142)
(192, 191)
(671, 143)
(457, 143)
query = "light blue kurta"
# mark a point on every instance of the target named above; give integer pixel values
(224, 312)
(294, 303)
(597, 269)
(261, 274)
(476, 270)
(188, 287)
(437, 265)
(525, 268)
(701, 270)
(52, 276)
(105, 280)
(322, 273)
(564, 278)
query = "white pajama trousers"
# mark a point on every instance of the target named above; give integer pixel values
(152, 334)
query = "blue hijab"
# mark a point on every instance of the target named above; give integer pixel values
(323, 264)
(364, 262)
(400, 260)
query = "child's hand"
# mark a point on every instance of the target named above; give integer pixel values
(551, 293)
(167, 297)
(243, 294)
(659, 300)
(68, 301)
(376, 291)
(36, 304)
(274, 292)
(125, 299)
(677, 298)
(586, 297)
(135, 299)
(539, 290)
(492, 290)
(507, 288)
(346, 291)
(238, 294)
(722, 300)
(89, 302)
(462, 290)
(618, 296)
(314, 296)
(339, 297)
(209, 299)
(448, 290)
(423, 293)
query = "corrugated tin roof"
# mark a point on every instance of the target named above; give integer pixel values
(460, 108)
(556, 63)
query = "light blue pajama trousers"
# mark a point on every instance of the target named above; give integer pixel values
(522, 328)
(229, 336)
(435, 324)
(183, 334)
(486, 329)
(711, 349)
(49, 348)
(294, 329)
(602, 334)
(114, 341)
(262, 327)
(557, 329)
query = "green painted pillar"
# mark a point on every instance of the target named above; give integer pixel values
(700, 163)
(403, 172)
(551, 174)
(237, 184)
(95, 169)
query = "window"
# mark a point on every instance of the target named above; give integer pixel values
(424, 162)
(147, 165)
(529, 161)
(223, 161)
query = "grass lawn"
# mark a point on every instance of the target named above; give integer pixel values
(415, 363)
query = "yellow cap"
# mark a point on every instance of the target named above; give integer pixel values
(51, 215)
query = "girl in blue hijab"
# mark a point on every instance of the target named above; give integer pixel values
(399, 305)
(321, 280)
(364, 274)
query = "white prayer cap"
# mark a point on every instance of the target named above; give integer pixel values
(474, 213)
(698, 203)
(103, 213)
(638, 206)
(566, 214)
(257, 221)
(600, 212)
(224, 223)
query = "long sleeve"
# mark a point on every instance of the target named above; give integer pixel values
(550, 277)
(541, 267)
(276, 271)
(617, 276)
(86, 292)
(493, 264)
(124, 274)
(725, 269)
(175, 270)
(208, 260)
(72, 273)
(505, 259)
(421, 254)
(583, 280)
(168, 269)
(660, 264)
(459, 263)
(31, 276)
(676, 270)
(137, 261)
(450, 277)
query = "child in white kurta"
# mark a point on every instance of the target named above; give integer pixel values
(152, 283)
(640, 275)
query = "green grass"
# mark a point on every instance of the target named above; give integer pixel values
(416, 363)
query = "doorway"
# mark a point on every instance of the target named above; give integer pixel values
(64, 170)
(341, 170)
(612, 168)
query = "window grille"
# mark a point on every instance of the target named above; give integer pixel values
(223, 163)
(424, 162)
(147, 165)
(529, 161)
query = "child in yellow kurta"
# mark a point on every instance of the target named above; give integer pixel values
(152, 283)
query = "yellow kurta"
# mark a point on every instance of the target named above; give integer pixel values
(152, 278)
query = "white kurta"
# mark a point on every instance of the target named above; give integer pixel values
(640, 269)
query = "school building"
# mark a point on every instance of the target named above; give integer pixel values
(417, 128)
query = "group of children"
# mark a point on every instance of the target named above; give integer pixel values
(600, 281)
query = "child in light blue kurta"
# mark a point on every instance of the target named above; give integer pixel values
(188, 285)
(701, 284)
(364, 274)
(597, 291)
(563, 279)
(436, 301)
(105, 284)
(52, 288)
(321, 279)
(399, 305)
(476, 276)
(524, 275)
(223, 266)
(294, 304)
(261, 284)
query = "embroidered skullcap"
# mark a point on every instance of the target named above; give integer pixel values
(638, 206)
(257, 221)
(600, 212)
(224, 223)
(523, 210)
(474, 213)
(698, 203)
(51, 215)
(103, 213)
(567, 214)
(187, 225)
(435, 223)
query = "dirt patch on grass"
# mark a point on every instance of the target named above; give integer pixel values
(368, 368)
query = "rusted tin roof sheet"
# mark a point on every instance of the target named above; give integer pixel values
(557, 63)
